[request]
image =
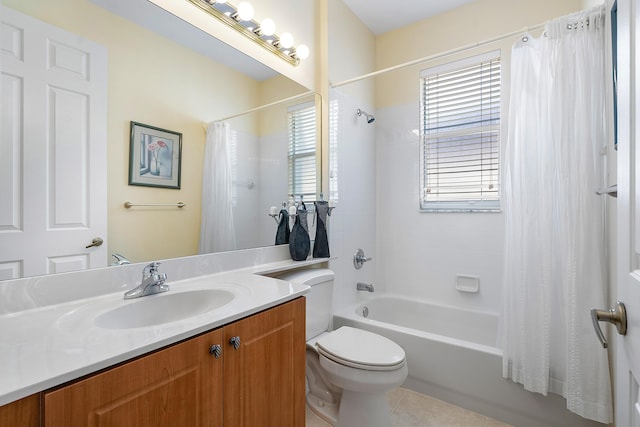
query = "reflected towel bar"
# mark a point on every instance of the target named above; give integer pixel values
(178, 205)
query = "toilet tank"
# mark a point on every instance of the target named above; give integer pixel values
(319, 297)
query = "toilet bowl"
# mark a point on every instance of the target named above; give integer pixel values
(349, 370)
(365, 366)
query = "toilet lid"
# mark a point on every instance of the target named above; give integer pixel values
(361, 349)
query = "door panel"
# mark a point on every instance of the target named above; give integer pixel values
(264, 376)
(628, 221)
(177, 386)
(52, 149)
(10, 154)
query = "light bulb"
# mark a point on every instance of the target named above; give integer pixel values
(268, 27)
(286, 40)
(245, 11)
(302, 51)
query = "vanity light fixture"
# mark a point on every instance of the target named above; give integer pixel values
(286, 40)
(245, 11)
(267, 27)
(241, 19)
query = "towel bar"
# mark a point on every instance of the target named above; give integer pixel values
(178, 205)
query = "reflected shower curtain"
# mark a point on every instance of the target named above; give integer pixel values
(555, 266)
(217, 231)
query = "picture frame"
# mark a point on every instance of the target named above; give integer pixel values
(155, 156)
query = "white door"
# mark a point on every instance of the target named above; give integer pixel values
(628, 235)
(52, 149)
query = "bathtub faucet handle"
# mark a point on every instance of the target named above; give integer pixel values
(365, 287)
(359, 258)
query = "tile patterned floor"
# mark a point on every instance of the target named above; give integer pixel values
(411, 409)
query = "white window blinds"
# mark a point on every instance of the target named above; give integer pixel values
(302, 151)
(460, 140)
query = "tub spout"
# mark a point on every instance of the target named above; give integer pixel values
(365, 287)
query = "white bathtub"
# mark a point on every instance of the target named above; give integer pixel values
(452, 355)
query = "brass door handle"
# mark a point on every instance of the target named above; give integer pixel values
(97, 241)
(616, 316)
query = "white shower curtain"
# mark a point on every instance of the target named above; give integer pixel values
(217, 231)
(555, 266)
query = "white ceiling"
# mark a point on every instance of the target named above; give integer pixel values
(381, 16)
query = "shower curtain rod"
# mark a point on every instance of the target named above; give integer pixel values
(262, 107)
(386, 70)
(437, 55)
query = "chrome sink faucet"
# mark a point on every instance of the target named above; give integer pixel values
(120, 260)
(152, 283)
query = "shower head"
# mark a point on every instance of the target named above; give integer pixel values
(370, 118)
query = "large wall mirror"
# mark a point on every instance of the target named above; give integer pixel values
(162, 72)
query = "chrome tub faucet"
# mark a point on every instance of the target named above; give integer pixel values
(365, 287)
(152, 283)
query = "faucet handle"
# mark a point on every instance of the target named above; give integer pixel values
(359, 258)
(150, 269)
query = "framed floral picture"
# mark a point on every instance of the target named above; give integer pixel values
(154, 157)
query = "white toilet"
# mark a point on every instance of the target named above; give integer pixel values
(349, 370)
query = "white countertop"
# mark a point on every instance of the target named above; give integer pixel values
(47, 346)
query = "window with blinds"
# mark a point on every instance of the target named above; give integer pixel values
(460, 135)
(302, 151)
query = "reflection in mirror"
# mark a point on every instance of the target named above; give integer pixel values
(262, 158)
(153, 79)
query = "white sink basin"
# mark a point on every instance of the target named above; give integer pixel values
(163, 308)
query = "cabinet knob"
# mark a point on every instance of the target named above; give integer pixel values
(235, 342)
(216, 350)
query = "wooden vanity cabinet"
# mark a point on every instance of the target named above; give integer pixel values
(264, 378)
(177, 386)
(21, 413)
(259, 383)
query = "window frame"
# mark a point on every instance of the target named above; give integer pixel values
(434, 135)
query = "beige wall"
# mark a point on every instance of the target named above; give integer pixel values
(586, 4)
(275, 89)
(352, 49)
(476, 22)
(157, 82)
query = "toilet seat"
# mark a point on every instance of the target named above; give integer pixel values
(361, 349)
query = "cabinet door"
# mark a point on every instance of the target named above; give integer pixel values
(176, 386)
(24, 412)
(264, 377)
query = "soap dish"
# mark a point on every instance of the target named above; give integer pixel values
(466, 283)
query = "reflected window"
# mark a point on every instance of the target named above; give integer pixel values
(302, 151)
